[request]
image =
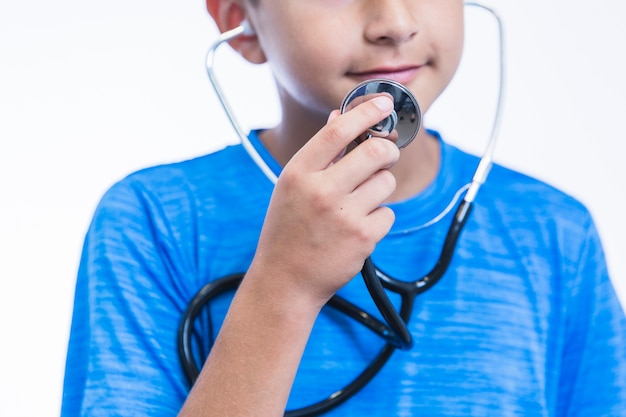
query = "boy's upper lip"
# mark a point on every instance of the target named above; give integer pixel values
(400, 73)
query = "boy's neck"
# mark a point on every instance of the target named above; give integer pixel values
(417, 167)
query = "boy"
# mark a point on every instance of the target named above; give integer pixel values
(525, 322)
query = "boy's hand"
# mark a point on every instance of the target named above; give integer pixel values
(325, 215)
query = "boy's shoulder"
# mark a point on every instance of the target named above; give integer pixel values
(522, 199)
(510, 187)
(528, 190)
(524, 202)
(215, 166)
(182, 182)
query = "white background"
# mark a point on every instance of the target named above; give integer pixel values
(90, 91)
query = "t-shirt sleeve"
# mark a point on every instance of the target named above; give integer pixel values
(130, 294)
(593, 368)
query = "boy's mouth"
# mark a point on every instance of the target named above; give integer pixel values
(402, 75)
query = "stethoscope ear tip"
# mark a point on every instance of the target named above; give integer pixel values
(247, 28)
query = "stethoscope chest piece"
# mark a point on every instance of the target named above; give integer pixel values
(405, 121)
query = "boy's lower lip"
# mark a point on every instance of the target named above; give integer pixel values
(403, 76)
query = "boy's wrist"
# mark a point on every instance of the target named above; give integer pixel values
(281, 293)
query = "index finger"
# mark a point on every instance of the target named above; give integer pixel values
(319, 152)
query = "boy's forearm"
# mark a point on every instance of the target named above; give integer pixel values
(253, 363)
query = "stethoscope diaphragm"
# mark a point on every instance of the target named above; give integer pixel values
(404, 122)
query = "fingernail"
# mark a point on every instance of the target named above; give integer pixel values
(383, 102)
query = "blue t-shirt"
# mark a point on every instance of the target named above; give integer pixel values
(524, 323)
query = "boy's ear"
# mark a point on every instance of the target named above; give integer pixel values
(228, 14)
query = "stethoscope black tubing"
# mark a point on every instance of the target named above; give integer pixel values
(395, 332)
(231, 282)
(398, 334)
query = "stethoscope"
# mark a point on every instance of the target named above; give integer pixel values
(405, 121)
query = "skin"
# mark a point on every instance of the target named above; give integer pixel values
(325, 205)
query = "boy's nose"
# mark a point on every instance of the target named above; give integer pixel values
(390, 21)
